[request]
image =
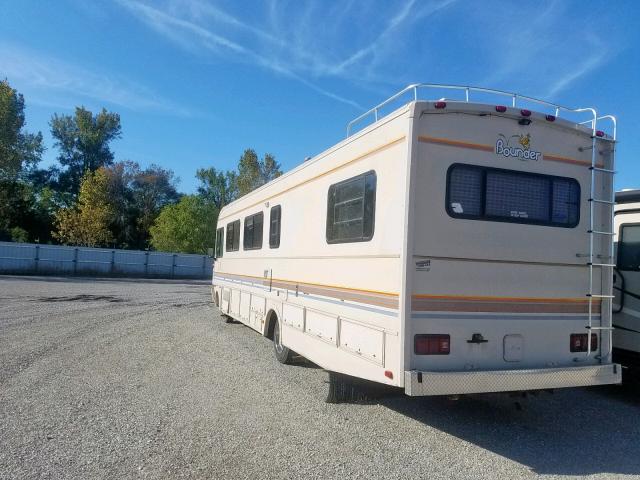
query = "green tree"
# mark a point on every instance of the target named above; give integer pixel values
(217, 187)
(88, 223)
(254, 172)
(19, 150)
(84, 142)
(188, 226)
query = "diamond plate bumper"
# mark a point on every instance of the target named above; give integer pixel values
(450, 383)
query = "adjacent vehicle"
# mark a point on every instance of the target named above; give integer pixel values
(626, 278)
(449, 247)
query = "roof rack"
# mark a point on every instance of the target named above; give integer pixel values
(415, 88)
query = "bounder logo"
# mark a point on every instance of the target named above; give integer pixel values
(522, 150)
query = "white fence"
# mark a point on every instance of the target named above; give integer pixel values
(29, 258)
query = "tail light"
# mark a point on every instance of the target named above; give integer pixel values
(578, 342)
(429, 344)
(440, 104)
(501, 108)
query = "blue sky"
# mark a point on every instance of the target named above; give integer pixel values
(196, 82)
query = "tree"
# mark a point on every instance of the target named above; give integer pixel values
(253, 172)
(88, 223)
(188, 226)
(84, 143)
(19, 150)
(217, 187)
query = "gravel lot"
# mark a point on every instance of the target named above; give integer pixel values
(141, 379)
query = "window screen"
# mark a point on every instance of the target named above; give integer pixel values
(219, 242)
(233, 236)
(508, 196)
(274, 226)
(629, 248)
(351, 209)
(253, 231)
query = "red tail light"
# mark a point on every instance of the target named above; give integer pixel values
(550, 118)
(440, 104)
(431, 344)
(578, 342)
(525, 113)
(501, 108)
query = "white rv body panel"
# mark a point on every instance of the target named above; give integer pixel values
(356, 308)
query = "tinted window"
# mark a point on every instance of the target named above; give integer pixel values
(274, 226)
(509, 196)
(629, 248)
(253, 231)
(351, 209)
(219, 242)
(233, 236)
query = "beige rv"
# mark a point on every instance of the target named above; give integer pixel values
(449, 246)
(626, 308)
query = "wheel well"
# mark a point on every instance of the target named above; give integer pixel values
(272, 316)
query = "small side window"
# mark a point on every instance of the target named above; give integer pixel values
(351, 206)
(253, 231)
(274, 226)
(629, 248)
(233, 236)
(219, 242)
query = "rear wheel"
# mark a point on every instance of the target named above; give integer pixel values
(283, 354)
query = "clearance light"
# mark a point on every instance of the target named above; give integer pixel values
(525, 113)
(599, 133)
(431, 344)
(501, 108)
(388, 374)
(550, 118)
(578, 342)
(440, 104)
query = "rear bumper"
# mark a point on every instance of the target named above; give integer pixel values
(450, 383)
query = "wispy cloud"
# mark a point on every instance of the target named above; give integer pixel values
(55, 83)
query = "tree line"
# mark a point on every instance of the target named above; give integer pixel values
(88, 198)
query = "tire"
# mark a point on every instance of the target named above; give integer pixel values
(283, 354)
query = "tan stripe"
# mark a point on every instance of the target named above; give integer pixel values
(323, 174)
(430, 305)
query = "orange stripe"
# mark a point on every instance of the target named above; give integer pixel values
(501, 299)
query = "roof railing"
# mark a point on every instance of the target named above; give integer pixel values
(514, 97)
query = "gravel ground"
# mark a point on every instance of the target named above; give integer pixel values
(141, 379)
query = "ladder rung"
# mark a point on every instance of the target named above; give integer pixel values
(603, 170)
(593, 295)
(599, 328)
(597, 200)
(601, 264)
(597, 232)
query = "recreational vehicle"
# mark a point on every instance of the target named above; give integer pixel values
(447, 246)
(626, 278)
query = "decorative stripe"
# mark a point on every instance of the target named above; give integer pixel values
(490, 148)
(499, 316)
(371, 297)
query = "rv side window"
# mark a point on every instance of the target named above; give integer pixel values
(629, 248)
(253, 232)
(219, 242)
(498, 195)
(274, 226)
(351, 209)
(233, 236)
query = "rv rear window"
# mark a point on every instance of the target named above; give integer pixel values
(253, 231)
(351, 209)
(219, 242)
(482, 193)
(629, 248)
(233, 236)
(274, 226)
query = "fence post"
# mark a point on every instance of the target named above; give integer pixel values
(146, 263)
(75, 260)
(113, 261)
(37, 259)
(173, 265)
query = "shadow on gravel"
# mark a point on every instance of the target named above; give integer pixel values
(82, 298)
(572, 432)
(81, 279)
